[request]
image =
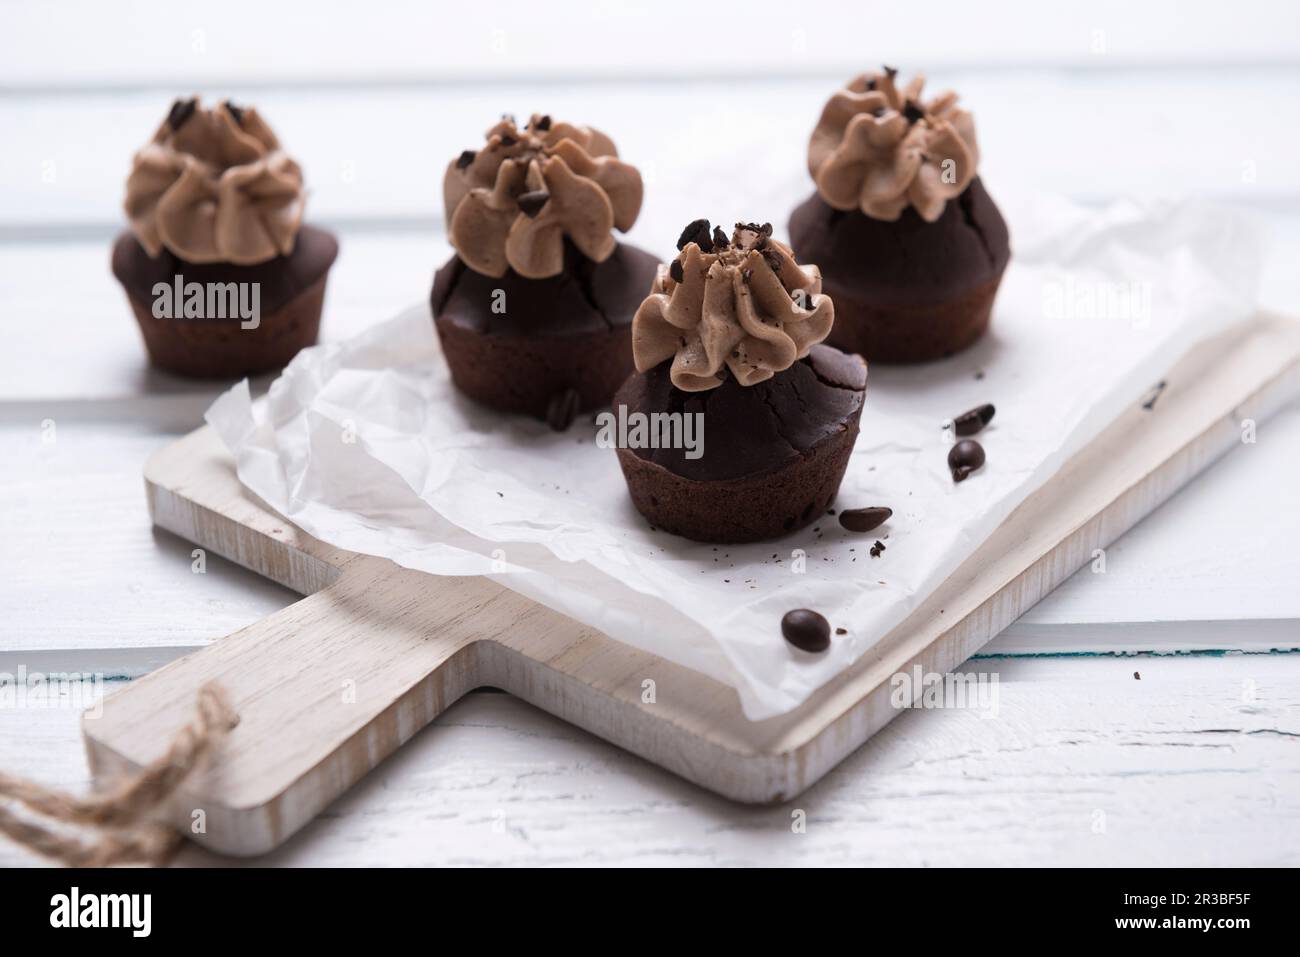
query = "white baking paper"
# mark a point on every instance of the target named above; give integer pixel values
(365, 445)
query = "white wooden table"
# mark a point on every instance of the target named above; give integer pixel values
(1196, 762)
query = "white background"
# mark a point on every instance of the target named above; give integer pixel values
(1196, 762)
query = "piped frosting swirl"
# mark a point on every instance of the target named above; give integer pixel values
(214, 186)
(879, 148)
(740, 305)
(513, 203)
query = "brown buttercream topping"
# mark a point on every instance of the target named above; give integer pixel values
(879, 148)
(214, 186)
(512, 203)
(741, 303)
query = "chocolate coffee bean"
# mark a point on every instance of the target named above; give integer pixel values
(562, 409)
(531, 203)
(865, 519)
(968, 423)
(806, 630)
(965, 457)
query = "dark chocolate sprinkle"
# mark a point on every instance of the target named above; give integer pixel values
(181, 111)
(675, 270)
(508, 140)
(543, 124)
(865, 519)
(890, 71)
(806, 630)
(871, 85)
(968, 423)
(531, 203)
(841, 631)
(696, 232)
(465, 159)
(965, 457)
(237, 112)
(912, 112)
(562, 409)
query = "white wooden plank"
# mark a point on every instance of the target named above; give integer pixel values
(86, 575)
(84, 42)
(1180, 767)
(737, 151)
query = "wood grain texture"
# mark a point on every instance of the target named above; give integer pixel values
(1193, 764)
(414, 643)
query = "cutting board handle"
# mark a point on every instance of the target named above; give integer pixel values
(325, 689)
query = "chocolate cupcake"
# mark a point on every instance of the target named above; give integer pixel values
(730, 335)
(222, 275)
(911, 246)
(535, 309)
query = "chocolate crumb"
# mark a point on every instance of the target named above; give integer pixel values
(465, 159)
(841, 631)
(675, 271)
(236, 112)
(531, 203)
(968, 423)
(877, 548)
(890, 71)
(562, 409)
(543, 124)
(912, 112)
(696, 232)
(1136, 676)
(871, 85)
(181, 111)
(865, 519)
(806, 630)
(965, 457)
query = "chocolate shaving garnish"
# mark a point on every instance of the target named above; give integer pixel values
(968, 423)
(562, 409)
(543, 124)
(806, 630)
(912, 112)
(235, 111)
(675, 270)
(771, 258)
(871, 85)
(508, 140)
(181, 111)
(531, 203)
(876, 549)
(696, 232)
(965, 457)
(465, 159)
(890, 71)
(720, 238)
(865, 519)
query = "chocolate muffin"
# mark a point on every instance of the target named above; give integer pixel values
(222, 275)
(911, 246)
(534, 311)
(730, 333)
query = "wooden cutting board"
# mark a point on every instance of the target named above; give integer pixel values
(329, 687)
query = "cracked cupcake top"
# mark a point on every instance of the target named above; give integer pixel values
(741, 305)
(214, 186)
(879, 148)
(512, 203)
